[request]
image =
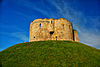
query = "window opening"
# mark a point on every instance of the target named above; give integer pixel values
(69, 26)
(51, 22)
(51, 32)
(63, 26)
(40, 25)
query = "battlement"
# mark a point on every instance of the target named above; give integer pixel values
(52, 29)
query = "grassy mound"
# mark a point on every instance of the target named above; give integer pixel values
(50, 54)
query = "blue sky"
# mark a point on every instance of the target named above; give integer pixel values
(16, 16)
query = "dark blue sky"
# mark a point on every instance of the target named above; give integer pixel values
(16, 16)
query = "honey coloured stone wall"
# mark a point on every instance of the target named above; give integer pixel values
(76, 36)
(51, 29)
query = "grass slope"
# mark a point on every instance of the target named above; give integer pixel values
(50, 54)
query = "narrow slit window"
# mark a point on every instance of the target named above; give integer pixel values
(40, 25)
(63, 26)
(51, 22)
(69, 26)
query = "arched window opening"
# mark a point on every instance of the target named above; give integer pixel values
(63, 26)
(40, 25)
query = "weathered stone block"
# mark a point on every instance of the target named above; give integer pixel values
(52, 29)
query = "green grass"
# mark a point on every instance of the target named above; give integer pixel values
(50, 54)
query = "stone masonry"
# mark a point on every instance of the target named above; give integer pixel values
(52, 29)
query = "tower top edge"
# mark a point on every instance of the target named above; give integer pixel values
(40, 19)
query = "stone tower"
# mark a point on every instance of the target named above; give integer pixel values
(52, 29)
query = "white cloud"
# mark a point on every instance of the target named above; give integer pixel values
(20, 35)
(89, 36)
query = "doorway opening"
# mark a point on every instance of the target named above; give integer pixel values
(51, 33)
(56, 37)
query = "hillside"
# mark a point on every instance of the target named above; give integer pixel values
(50, 54)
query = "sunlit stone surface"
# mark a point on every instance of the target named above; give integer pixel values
(52, 29)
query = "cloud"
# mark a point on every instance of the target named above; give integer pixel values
(89, 38)
(88, 27)
(20, 35)
(29, 5)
